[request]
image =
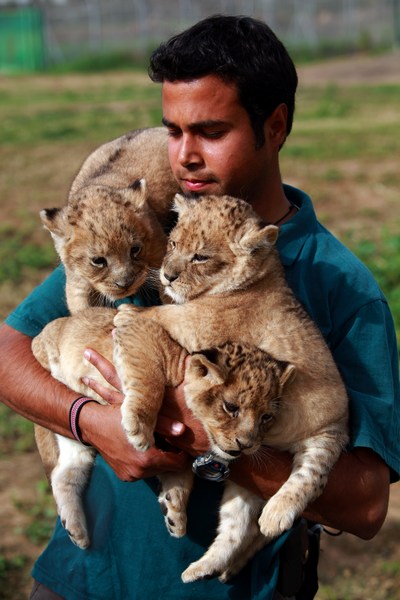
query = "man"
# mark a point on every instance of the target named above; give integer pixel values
(228, 102)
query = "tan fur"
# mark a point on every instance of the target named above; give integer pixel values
(223, 269)
(110, 238)
(141, 153)
(110, 234)
(59, 348)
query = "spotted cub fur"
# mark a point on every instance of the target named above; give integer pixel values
(110, 238)
(225, 274)
(223, 271)
(110, 235)
(235, 391)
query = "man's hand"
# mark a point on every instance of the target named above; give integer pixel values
(167, 424)
(175, 422)
(101, 427)
(193, 439)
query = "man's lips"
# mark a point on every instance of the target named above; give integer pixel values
(194, 185)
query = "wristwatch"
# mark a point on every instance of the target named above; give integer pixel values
(208, 466)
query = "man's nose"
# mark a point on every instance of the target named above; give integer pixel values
(189, 152)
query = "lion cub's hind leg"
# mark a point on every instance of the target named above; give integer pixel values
(68, 480)
(238, 537)
(173, 498)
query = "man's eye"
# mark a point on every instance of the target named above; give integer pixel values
(174, 132)
(199, 258)
(99, 261)
(213, 134)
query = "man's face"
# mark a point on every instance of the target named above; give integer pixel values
(212, 148)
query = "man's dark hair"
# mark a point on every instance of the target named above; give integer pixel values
(240, 50)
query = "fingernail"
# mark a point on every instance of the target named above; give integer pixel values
(85, 380)
(87, 354)
(177, 428)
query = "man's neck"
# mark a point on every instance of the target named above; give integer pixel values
(274, 207)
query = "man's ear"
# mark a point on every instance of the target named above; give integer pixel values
(204, 369)
(276, 126)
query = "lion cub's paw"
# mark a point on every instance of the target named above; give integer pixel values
(201, 569)
(125, 312)
(138, 434)
(173, 507)
(75, 528)
(277, 516)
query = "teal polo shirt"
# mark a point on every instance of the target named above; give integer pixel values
(132, 556)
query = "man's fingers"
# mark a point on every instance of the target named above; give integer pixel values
(168, 427)
(105, 367)
(109, 395)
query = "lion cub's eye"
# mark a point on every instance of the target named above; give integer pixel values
(231, 409)
(99, 261)
(267, 418)
(199, 258)
(172, 245)
(135, 251)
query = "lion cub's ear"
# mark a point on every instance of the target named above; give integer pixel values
(255, 237)
(201, 368)
(54, 220)
(138, 192)
(181, 203)
(287, 374)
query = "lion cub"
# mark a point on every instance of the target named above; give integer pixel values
(110, 238)
(223, 271)
(228, 280)
(110, 235)
(214, 380)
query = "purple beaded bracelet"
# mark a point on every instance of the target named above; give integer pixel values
(74, 411)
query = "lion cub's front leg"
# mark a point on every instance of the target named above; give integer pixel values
(147, 360)
(312, 462)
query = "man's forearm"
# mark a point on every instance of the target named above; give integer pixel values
(355, 498)
(29, 389)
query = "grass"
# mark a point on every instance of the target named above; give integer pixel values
(382, 256)
(16, 433)
(342, 150)
(42, 513)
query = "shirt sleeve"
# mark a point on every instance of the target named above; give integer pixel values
(368, 361)
(46, 303)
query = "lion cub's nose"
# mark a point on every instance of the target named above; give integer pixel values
(170, 276)
(243, 446)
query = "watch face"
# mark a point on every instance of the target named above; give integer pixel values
(208, 467)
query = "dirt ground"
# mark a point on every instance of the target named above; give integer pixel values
(355, 569)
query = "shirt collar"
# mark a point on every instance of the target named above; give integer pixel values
(294, 233)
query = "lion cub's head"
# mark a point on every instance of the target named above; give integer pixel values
(235, 391)
(110, 238)
(218, 245)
